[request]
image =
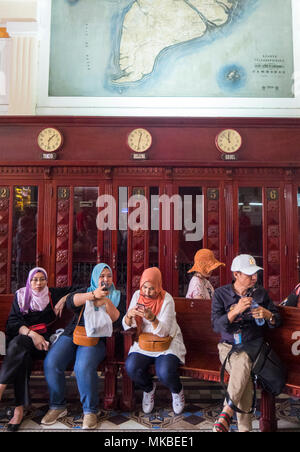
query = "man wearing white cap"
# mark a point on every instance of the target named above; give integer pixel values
(234, 319)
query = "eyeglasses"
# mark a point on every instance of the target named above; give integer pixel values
(35, 280)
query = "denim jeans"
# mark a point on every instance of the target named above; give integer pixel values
(166, 367)
(87, 360)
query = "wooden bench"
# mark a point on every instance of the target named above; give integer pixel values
(109, 366)
(202, 360)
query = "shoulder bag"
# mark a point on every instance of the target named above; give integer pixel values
(80, 337)
(153, 343)
(268, 370)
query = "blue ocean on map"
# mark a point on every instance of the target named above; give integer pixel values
(242, 58)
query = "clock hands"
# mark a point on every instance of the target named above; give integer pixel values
(50, 140)
(138, 146)
(51, 137)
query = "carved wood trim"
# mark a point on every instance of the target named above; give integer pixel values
(213, 227)
(272, 225)
(4, 237)
(62, 236)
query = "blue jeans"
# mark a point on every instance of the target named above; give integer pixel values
(87, 360)
(166, 368)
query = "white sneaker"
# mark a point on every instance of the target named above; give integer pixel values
(178, 402)
(148, 400)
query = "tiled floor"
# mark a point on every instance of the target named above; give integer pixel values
(203, 404)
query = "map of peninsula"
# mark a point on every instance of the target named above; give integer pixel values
(172, 49)
(151, 26)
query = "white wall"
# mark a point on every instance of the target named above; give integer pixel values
(18, 57)
(12, 10)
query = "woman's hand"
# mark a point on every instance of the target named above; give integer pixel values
(39, 341)
(148, 314)
(59, 307)
(100, 302)
(100, 292)
(132, 313)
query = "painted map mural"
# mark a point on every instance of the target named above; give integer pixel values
(171, 48)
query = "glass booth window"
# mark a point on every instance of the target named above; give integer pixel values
(24, 245)
(298, 255)
(190, 234)
(84, 234)
(250, 223)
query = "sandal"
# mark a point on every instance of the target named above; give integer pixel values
(219, 426)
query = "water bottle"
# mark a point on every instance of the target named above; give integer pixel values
(259, 322)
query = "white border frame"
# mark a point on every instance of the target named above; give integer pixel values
(161, 106)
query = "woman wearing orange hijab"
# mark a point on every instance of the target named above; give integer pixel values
(152, 310)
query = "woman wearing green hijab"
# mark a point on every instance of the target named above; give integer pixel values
(103, 298)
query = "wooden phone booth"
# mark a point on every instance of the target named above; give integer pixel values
(171, 190)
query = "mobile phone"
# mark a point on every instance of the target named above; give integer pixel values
(140, 307)
(104, 287)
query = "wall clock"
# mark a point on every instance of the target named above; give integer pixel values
(228, 141)
(139, 140)
(50, 139)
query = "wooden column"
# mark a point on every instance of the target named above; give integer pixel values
(62, 236)
(4, 239)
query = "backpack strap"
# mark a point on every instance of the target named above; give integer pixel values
(227, 396)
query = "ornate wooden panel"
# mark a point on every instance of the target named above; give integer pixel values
(272, 244)
(62, 236)
(137, 259)
(4, 238)
(213, 229)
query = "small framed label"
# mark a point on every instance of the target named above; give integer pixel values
(49, 156)
(272, 194)
(230, 157)
(212, 194)
(139, 156)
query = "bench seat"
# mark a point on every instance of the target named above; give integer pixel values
(202, 360)
(109, 366)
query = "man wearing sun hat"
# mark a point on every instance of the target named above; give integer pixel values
(204, 263)
(234, 319)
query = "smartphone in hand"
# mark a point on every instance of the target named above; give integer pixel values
(140, 307)
(104, 287)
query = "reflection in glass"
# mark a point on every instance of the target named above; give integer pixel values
(250, 224)
(187, 248)
(153, 233)
(122, 240)
(298, 255)
(24, 245)
(84, 234)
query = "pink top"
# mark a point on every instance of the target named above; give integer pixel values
(200, 287)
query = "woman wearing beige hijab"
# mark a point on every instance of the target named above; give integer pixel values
(204, 264)
(152, 310)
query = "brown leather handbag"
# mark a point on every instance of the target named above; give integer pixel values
(80, 337)
(153, 343)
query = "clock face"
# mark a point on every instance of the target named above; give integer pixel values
(139, 140)
(229, 141)
(50, 139)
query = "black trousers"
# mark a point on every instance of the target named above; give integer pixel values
(17, 365)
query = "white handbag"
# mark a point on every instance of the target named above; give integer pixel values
(96, 320)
